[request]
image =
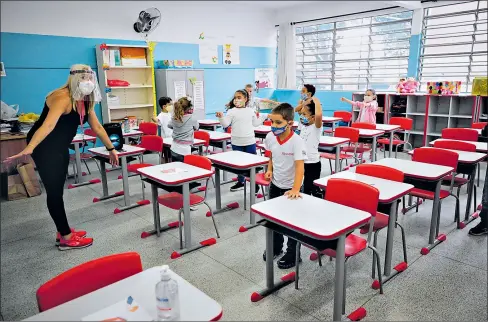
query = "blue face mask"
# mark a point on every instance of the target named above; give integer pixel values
(304, 96)
(278, 130)
(304, 120)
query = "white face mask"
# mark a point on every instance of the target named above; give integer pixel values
(86, 87)
(368, 98)
(239, 103)
(169, 108)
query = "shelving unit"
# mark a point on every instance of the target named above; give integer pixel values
(482, 110)
(135, 100)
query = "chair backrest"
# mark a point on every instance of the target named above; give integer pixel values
(90, 132)
(460, 134)
(153, 143)
(404, 122)
(148, 128)
(455, 145)
(380, 171)
(198, 161)
(344, 115)
(480, 125)
(347, 132)
(267, 123)
(367, 126)
(202, 135)
(365, 197)
(267, 153)
(436, 156)
(86, 278)
(229, 129)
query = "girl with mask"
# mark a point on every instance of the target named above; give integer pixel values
(243, 120)
(184, 125)
(367, 108)
(48, 142)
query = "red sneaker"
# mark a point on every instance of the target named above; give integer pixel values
(74, 242)
(79, 233)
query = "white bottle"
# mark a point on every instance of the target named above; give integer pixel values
(167, 297)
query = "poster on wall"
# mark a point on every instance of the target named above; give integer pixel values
(208, 53)
(198, 95)
(180, 89)
(264, 77)
(230, 54)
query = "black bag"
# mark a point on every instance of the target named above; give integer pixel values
(114, 132)
(400, 106)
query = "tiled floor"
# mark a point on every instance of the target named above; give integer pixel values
(448, 284)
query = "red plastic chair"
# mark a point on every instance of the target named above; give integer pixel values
(381, 220)
(205, 136)
(437, 157)
(260, 180)
(365, 198)
(344, 115)
(344, 132)
(148, 128)
(174, 200)
(87, 278)
(480, 125)
(460, 134)
(361, 148)
(360, 125)
(406, 125)
(267, 123)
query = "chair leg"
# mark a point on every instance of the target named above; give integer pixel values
(213, 219)
(439, 217)
(213, 181)
(404, 242)
(474, 196)
(457, 213)
(417, 205)
(264, 193)
(479, 170)
(297, 260)
(180, 227)
(330, 164)
(378, 266)
(319, 256)
(98, 166)
(245, 195)
(143, 186)
(375, 241)
(344, 288)
(86, 165)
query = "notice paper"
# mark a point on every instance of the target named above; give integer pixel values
(208, 53)
(180, 89)
(198, 95)
(126, 310)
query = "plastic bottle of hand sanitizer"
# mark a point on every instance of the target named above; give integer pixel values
(167, 298)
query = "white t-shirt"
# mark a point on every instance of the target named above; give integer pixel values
(284, 154)
(243, 120)
(311, 136)
(163, 121)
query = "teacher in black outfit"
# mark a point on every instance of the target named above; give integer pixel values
(49, 139)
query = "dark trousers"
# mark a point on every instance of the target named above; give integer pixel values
(312, 173)
(484, 201)
(53, 168)
(245, 148)
(175, 157)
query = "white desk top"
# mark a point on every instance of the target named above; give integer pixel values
(194, 304)
(389, 190)
(480, 146)
(80, 138)
(332, 141)
(311, 216)
(238, 159)
(175, 173)
(169, 141)
(330, 119)
(208, 122)
(464, 156)
(218, 136)
(415, 169)
(387, 127)
(370, 133)
(132, 133)
(127, 150)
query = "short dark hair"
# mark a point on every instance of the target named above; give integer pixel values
(311, 107)
(310, 88)
(244, 93)
(285, 110)
(164, 100)
(249, 85)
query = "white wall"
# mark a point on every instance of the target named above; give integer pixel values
(181, 21)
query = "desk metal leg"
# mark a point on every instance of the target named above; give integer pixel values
(252, 201)
(467, 217)
(79, 172)
(339, 278)
(374, 148)
(218, 196)
(224, 149)
(433, 239)
(337, 159)
(391, 144)
(271, 287)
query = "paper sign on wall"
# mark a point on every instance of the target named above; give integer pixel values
(208, 53)
(180, 89)
(230, 54)
(198, 95)
(265, 77)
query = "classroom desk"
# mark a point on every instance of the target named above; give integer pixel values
(480, 146)
(391, 129)
(323, 225)
(77, 141)
(371, 134)
(333, 142)
(12, 144)
(237, 162)
(211, 125)
(194, 304)
(331, 120)
(165, 175)
(131, 134)
(424, 176)
(390, 193)
(102, 154)
(467, 164)
(220, 140)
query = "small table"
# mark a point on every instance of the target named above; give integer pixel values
(417, 173)
(220, 140)
(194, 304)
(390, 193)
(102, 154)
(323, 225)
(331, 120)
(391, 129)
(175, 174)
(368, 134)
(237, 162)
(77, 141)
(131, 134)
(209, 124)
(334, 142)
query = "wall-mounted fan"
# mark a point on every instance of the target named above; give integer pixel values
(147, 21)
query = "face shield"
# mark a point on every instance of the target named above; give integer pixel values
(84, 85)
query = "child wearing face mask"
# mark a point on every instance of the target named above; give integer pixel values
(164, 117)
(367, 108)
(183, 125)
(243, 120)
(307, 95)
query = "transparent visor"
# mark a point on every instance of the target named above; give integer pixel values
(84, 86)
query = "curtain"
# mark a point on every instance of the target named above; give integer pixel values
(287, 56)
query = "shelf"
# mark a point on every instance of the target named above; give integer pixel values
(128, 67)
(439, 115)
(127, 46)
(415, 113)
(130, 86)
(126, 106)
(462, 116)
(434, 134)
(483, 117)
(417, 132)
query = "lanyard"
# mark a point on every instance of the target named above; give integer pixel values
(81, 113)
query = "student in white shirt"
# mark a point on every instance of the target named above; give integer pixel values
(285, 171)
(255, 101)
(242, 120)
(310, 131)
(165, 116)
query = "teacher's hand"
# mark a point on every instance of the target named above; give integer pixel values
(219, 114)
(26, 152)
(114, 158)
